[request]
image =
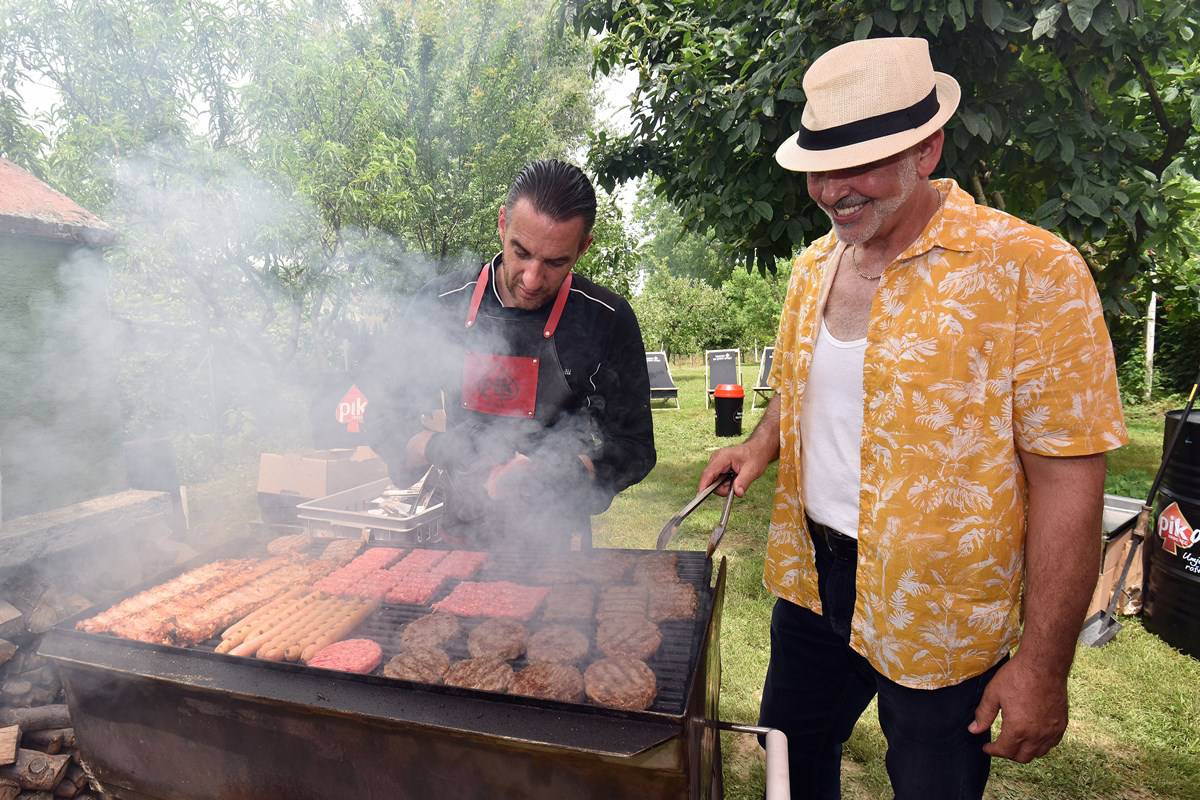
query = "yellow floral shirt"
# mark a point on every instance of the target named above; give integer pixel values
(985, 336)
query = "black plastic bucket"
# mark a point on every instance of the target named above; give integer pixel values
(728, 399)
(1171, 606)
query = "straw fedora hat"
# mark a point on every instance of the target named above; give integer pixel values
(868, 100)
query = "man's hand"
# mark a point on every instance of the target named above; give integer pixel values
(414, 451)
(748, 459)
(513, 468)
(1034, 708)
(743, 459)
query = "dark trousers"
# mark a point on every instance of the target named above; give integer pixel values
(817, 688)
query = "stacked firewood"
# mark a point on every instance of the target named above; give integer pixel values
(38, 756)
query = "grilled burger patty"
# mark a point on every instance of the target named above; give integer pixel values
(622, 601)
(656, 568)
(502, 638)
(672, 601)
(486, 674)
(633, 636)
(620, 682)
(570, 601)
(420, 664)
(561, 644)
(549, 681)
(431, 630)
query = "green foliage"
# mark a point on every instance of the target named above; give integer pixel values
(613, 260)
(671, 246)
(1080, 116)
(683, 315)
(755, 304)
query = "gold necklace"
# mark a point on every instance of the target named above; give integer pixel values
(858, 269)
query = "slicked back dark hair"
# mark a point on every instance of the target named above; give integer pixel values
(559, 190)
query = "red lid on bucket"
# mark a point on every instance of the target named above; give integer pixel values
(729, 390)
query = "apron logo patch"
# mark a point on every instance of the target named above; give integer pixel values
(1175, 531)
(497, 386)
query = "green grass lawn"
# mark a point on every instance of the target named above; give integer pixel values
(1135, 704)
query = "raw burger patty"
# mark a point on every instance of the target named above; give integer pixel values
(431, 630)
(485, 674)
(420, 664)
(561, 644)
(550, 681)
(672, 601)
(502, 638)
(620, 683)
(349, 655)
(633, 636)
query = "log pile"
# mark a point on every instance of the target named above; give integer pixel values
(39, 757)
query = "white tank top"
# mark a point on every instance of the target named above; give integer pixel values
(831, 418)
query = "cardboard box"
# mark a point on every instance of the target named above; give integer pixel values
(1115, 552)
(317, 473)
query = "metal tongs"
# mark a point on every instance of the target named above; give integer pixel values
(429, 484)
(669, 530)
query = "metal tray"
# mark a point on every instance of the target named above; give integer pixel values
(349, 508)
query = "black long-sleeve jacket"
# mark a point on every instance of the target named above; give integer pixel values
(602, 357)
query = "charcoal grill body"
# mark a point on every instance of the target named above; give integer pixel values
(164, 723)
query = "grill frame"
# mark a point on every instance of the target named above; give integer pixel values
(664, 753)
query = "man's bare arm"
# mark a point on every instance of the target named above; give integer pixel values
(1062, 551)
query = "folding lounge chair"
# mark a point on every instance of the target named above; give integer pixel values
(761, 389)
(721, 366)
(662, 385)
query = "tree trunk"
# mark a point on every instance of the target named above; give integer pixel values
(1151, 314)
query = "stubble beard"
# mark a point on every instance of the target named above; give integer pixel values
(880, 210)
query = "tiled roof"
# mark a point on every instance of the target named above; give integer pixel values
(28, 207)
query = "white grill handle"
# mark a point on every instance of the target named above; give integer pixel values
(778, 781)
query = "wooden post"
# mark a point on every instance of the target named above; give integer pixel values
(1151, 314)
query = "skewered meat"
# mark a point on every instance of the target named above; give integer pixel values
(620, 683)
(415, 588)
(485, 674)
(493, 599)
(342, 551)
(549, 681)
(431, 630)
(560, 644)
(294, 544)
(420, 664)
(350, 655)
(636, 637)
(501, 638)
(460, 564)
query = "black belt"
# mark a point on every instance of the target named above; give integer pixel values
(837, 542)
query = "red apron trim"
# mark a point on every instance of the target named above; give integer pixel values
(560, 303)
(477, 295)
(504, 386)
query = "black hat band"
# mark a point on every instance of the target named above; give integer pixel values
(864, 130)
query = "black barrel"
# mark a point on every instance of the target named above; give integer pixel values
(728, 399)
(1172, 592)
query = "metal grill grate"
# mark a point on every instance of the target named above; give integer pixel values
(672, 664)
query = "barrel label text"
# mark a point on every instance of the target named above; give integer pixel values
(1174, 530)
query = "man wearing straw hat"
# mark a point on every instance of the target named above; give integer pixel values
(945, 394)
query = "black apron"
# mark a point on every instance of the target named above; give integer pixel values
(513, 383)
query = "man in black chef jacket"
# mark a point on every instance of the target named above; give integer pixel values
(541, 374)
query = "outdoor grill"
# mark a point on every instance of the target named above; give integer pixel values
(171, 723)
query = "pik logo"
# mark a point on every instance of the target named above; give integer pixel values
(1175, 531)
(350, 409)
